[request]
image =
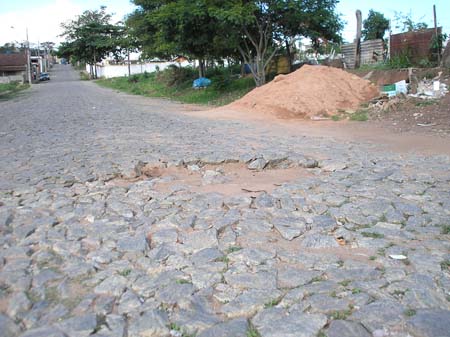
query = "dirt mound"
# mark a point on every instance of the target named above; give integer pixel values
(309, 91)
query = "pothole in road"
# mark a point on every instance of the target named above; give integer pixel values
(226, 178)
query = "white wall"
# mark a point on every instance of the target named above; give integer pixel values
(12, 78)
(109, 71)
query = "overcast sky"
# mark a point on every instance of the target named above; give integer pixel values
(43, 17)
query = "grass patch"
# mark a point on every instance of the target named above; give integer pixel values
(252, 332)
(356, 291)
(445, 229)
(341, 314)
(8, 90)
(233, 249)
(318, 279)
(176, 83)
(359, 116)
(372, 235)
(272, 303)
(183, 281)
(345, 283)
(409, 312)
(176, 327)
(223, 259)
(426, 102)
(445, 264)
(125, 272)
(336, 118)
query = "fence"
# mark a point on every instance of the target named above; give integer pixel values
(371, 52)
(416, 45)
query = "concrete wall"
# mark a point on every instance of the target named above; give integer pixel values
(12, 78)
(109, 71)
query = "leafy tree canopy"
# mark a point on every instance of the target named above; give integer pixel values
(405, 23)
(208, 29)
(91, 37)
(374, 26)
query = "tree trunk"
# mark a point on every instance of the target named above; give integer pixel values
(201, 68)
(95, 66)
(358, 39)
(289, 55)
(260, 70)
(129, 66)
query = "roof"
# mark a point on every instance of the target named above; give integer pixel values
(13, 62)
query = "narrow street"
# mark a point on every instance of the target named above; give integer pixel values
(122, 216)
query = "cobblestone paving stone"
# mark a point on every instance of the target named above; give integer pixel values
(83, 256)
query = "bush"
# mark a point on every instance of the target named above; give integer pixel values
(133, 79)
(8, 89)
(84, 76)
(359, 116)
(221, 82)
(400, 61)
(175, 76)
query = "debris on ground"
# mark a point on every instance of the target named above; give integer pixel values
(307, 92)
(430, 89)
(395, 89)
(406, 112)
(415, 103)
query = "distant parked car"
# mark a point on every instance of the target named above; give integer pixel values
(44, 77)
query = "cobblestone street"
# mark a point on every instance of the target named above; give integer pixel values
(120, 216)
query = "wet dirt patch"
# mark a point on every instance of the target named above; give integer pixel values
(229, 179)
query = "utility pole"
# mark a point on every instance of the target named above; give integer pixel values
(437, 37)
(388, 56)
(358, 39)
(27, 51)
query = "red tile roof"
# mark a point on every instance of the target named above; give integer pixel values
(12, 62)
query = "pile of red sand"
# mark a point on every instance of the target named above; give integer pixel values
(309, 91)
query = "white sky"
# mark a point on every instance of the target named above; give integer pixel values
(43, 17)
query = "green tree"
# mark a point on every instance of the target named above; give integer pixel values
(215, 29)
(65, 50)
(374, 26)
(10, 48)
(168, 28)
(91, 36)
(263, 27)
(405, 23)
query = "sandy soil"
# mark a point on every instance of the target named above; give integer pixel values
(307, 92)
(377, 132)
(237, 179)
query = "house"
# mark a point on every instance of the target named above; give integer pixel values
(38, 66)
(13, 67)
